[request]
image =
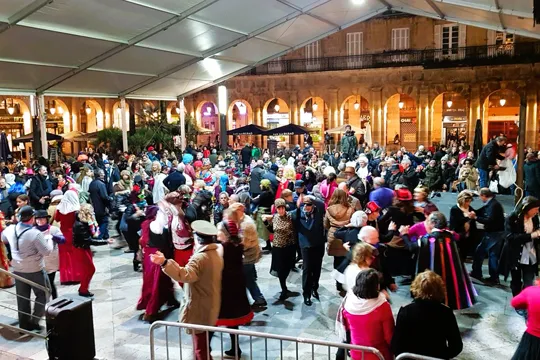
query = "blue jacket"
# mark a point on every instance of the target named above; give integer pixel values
(99, 196)
(311, 232)
(174, 180)
(382, 196)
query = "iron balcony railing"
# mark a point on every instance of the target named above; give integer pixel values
(528, 52)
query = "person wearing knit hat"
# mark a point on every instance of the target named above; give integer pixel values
(235, 309)
(283, 246)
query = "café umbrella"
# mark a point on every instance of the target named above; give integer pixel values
(290, 129)
(250, 129)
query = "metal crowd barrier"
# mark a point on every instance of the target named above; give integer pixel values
(267, 346)
(32, 284)
(409, 356)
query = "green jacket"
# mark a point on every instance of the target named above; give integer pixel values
(256, 153)
(349, 143)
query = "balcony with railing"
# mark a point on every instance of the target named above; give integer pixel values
(528, 52)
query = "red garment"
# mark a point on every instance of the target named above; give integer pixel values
(145, 233)
(529, 299)
(374, 329)
(157, 288)
(87, 268)
(200, 346)
(182, 258)
(68, 266)
(206, 153)
(281, 186)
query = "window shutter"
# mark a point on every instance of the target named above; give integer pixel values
(438, 37)
(462, 35)
(491, 34)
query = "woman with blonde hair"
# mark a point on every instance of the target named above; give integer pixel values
(337, 215)
(85, 234)
(462, 221)
(426, 326)
(286, 181)
(362, 258)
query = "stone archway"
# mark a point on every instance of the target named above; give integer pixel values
(239, 114)
(449, 119)
(400, 119)
(208, 118)
(501, 115)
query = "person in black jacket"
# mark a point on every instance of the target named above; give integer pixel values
(40, 188)
(176, 178)
(521, 245)
(531, 172)
(410, 175)
(396, 178)
(85, 234)
(488, 159)
(426, 326)
(101, 202)
(271, 175)
(246, 156)
(491, 216)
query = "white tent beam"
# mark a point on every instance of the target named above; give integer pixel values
(436, 9)
(498, 7)
(243, 70)
(473, 5)
(24, 13)
(317, 17)
(386, 3)
(132, 42)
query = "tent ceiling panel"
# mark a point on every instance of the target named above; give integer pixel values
(148, 61)
(170, 87)
(173, 6)
(33, 45)
(296, 31)
(24, 76)
(190, 37)
(115, 20)
(237, 16)
(98, 82)
(342, 12)
(155, 48)
(252, 51)
(9, 7)
(206, 70)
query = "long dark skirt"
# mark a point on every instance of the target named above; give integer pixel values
(283, 259)
(528, 348)
(157, 288)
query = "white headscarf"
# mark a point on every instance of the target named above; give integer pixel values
(70, 203)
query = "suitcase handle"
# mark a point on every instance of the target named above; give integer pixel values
(61, 303)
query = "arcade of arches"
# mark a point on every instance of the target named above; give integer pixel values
(405, 106)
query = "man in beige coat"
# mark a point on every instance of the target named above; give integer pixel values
(202, 279)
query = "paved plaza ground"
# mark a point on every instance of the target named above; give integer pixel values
(491, 330)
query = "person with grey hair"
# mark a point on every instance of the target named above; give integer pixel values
(175, 179)
(410, 175)
(101, 202)
(439, 253)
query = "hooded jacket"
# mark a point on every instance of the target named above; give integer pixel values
(336, 217)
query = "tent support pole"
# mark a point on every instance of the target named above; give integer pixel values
(521, 146)
(182, 115)
(124, 124)
(42, 115)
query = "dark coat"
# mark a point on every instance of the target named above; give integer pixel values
(347, 235)
(82, 237)
(39, 187)
(489, 155)
(492, 216)
(255, 180)
(395, 179)
(514, 239)
(112, 175)
(174, 180)
(531, 171)
(448, 174)
(432, 178)
(427, 328)
(411, 178)
(360, 191)
(99, 197)
(246, 155)
(271, 175)
(310, 231)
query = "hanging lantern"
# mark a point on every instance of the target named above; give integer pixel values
(10, 108)
(60, 110)
(209, 109)
(502, 101)
(87, 108)
(449, 103)
(314, 106)
(356, 105)
(277, 107)
(401, 104)
(52, 109)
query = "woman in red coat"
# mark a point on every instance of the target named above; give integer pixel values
(368, 316)
(66, 213)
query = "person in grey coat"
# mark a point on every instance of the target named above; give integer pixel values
(255, 178)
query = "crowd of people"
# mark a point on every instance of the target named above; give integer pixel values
(203, 219)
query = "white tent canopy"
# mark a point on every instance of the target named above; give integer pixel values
(162, 49)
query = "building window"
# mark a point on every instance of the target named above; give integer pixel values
(400, 39)
(275, 66)
(355, 43)
(450, 39)
(312, 56)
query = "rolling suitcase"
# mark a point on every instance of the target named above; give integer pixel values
(71, 329)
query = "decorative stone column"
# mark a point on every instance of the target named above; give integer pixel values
(531, 135)
(377, 117)
(475, 112)
(294, 117)
(75, 114)
(108, 113)
(333, 114)
(422, 126)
